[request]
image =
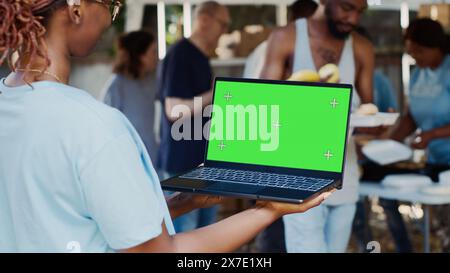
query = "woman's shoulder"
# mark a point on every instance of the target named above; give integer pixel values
(72, 103)
(446, 64)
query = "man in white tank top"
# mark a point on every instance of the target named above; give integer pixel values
(308, 44)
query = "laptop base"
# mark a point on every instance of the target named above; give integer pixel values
(246, 191)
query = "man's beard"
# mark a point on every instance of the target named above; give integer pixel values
(332, 26)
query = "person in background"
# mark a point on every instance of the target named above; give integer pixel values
(271, 240)
(131, 89)
(384, 96)
(327, 36)
(255, 61)
(427, 115)
(185, 73)
(428, 112)
(75, 175)
(301, 9)
(429, 92)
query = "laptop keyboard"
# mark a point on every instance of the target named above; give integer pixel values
(259, 178)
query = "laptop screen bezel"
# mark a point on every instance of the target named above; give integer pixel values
(273, 169)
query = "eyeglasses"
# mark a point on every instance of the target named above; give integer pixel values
(114, 6)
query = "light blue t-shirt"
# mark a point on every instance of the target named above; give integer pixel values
(429, 100)
(74, 174)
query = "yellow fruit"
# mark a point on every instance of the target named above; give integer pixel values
(305, 76)
(330, 73)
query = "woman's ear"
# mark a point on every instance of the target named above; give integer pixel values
(74, 11)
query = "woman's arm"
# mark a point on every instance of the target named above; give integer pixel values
(182, 203)
(177, 108)
(178, 205)
(228, 234)
(365, 59)
(405, 128)
(423, 139)
(441, 132)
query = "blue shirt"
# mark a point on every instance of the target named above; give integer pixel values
(184, 73)
(384, 95)
(135, 98)
(429, 99)
(73, 174)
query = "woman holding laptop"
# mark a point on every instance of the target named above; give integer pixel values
(73, 169)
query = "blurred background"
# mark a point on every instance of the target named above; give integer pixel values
(252, 22)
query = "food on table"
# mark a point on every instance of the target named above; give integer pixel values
(367, 109)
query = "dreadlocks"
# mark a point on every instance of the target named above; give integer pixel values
(22, 30)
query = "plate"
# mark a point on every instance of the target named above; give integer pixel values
(411, 182)
(436, 190)
(386, 152)
(379, 119)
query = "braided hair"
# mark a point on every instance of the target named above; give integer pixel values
(22, 30)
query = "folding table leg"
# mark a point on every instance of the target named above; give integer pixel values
(426, 228)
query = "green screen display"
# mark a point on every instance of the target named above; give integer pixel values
(292, 126)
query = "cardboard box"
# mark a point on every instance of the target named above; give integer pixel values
(250, 40)
(438, 12)
(240, 43)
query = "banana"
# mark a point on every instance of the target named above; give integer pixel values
(328, 72)
(305, 76)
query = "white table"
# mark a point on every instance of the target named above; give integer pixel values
(377, 190)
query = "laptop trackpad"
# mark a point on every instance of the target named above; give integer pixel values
(234, 187)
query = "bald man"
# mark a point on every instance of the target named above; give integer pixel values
(185, 73)
(308, 44)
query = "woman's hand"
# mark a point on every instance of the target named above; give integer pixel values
(280, 209)
(422, 140)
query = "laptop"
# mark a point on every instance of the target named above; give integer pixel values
(273, 140)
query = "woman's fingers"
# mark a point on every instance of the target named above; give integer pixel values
(316, 201)
(286, 208)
